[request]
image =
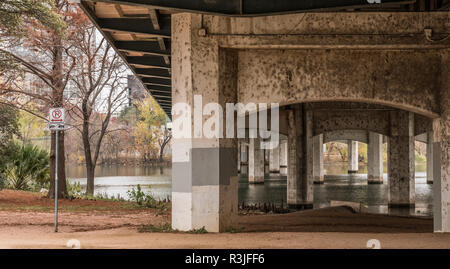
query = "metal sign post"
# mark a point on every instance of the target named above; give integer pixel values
(56, 119)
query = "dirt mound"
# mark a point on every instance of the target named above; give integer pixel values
(335, 219)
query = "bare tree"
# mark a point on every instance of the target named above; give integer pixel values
(163, 141)
(99, 80)
(45, 55)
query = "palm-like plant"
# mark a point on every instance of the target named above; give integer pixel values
(27, 164)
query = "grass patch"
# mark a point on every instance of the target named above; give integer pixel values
(234, 230)
(161, 228)
(167, 228)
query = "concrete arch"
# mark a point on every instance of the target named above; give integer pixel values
(378, 77)
(344, 135)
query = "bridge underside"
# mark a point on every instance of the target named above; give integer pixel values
(384, 75)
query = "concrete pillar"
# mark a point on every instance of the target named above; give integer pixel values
(441, 153)
(283, 157)
(255, 161)
(266, 162)
(274, 160)
(430, 168)
(204, 175)
(300, 180)
(318, 159)
(244, 158)
(353, 161)
(401, 160)
(239, 152)
(375, 159)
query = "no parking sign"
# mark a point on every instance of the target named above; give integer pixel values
(57, 118)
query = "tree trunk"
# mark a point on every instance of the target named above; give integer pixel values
(90, 165)
(90, 171)
(62, 188)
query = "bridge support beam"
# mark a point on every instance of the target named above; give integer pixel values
(318, 159)
(401, 160)
(352, 156)
(375, 159)
(256, 163)
(204, 179)
(300, 177)
(274, 160)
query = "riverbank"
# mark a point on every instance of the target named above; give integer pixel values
(26, 221)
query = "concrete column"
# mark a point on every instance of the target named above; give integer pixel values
(430, 168)
(401, 160)
(441, 154)
(244, 159)
(300, 180)
(255, 161)
(266, 162)
(283, 157)
(274, 160)
(353, 161)
(318, 159)
(204, 175)
(239, 152)
(375, 159)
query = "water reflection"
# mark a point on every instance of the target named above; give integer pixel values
(117, 180)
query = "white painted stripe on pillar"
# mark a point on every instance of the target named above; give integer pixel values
(182, 211)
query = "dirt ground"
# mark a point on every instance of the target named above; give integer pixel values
(26, 221)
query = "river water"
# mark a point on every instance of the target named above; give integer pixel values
(117, 180)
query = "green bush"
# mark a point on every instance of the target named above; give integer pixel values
(26, 167)
(74, 189)
(142, 198)
(2, 182)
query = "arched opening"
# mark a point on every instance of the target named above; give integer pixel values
(349, 158)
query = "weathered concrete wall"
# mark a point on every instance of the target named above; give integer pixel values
(441, 152)
(401, 79)
(333, 120)
(355, 135)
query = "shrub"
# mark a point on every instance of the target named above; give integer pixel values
(74, 189)
(26, 167)
(142, 198)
